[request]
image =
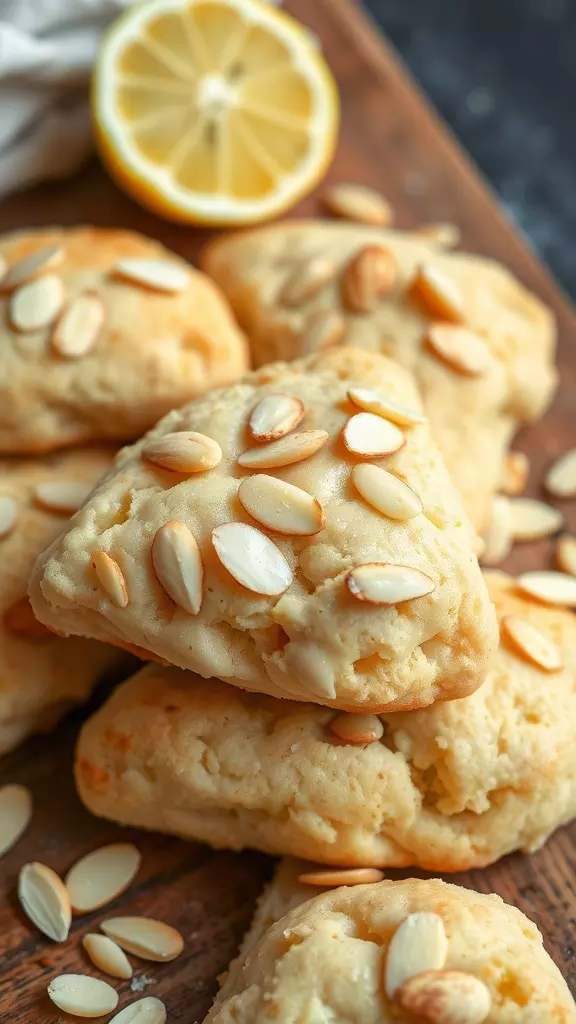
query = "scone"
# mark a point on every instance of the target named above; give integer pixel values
(298, 286)
(414, 950)
(41, 675)
(446, 788)
(312, 566)
(103, 332)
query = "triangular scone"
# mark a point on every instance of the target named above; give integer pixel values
(446, 788)
(264, 274)
(104, 331)
(332, 577)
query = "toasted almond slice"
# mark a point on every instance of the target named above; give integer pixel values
(159, 275)
(8, 514)
(459, 348)
(107, 955)
(515, 473)
(371, 437)
(561, 477)
(274, 416)
(101, 876)
(498, 537)
(35, 305)
(383, 583)
(443, 233)
(358, 203)
(380, 405)
(418, 944)
(15, 814)
(386, 492)
(145, 937)
(20, 619)
(184, 451)
(438, 294)
(144, 1011)
(82, 996)
(78, 328)
(24, 270)
(284, 452)
(531, 644)
(44, 899)
(111, 578)
(178, 565)
(64, 497)
(532, 519)
(324, 327)
(252, 559)
(367, 276)
(445, 997)
(305, 282)
(281, 506)
(333, 877)
(549, 587)
(566, 554)
(357, 729)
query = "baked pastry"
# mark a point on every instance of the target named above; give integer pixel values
(41, 674)
(404, 951)
(446, 788)
(103, 332)
(300, 566)
(296, 286)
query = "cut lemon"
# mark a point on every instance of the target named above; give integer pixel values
(214, 111)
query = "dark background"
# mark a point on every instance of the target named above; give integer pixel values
(503, 75)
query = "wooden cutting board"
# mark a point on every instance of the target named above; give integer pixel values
(390, 139)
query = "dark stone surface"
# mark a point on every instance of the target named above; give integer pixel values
(503, 75)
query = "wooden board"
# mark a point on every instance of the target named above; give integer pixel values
(390, 139)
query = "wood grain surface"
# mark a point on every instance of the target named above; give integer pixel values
(390, 139)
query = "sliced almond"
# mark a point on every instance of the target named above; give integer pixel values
(82, 996)
(8, 514)
(332, 878)
(145, 937)
(381, 405)
(111, 578)
(358, 203)
(15, 814)
(418, 944)
(460, 349)
(532, 519)
(445, 997)
(101, 876)
(35, 305)
(357, 729)
(252, 559)
(371, 437)
(324, 327)
(443, 233)
(24, 270)
(178, 565)
(498, 535)
(107, 955)
(274, 416)
(386, 492)
(566, 554)
(281, 506)
(77, 330)
(64, 497)
(549, 587)
(313, 669)
(368, 276)
(144, 1011)
(44, 899)
(515, 473)
(184, 451)
(20, 619)
(561, 477)
(305, 282)
(438, 294)
(284, 452)
(531, 644)
(383, 583)
(159, 275)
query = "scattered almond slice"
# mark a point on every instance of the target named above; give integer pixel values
(274, 416)
(515, 474)
(561, 477)
(313, 669)
(184, 451)
(252, 559)
(15, 814)
(145, 937)
(64, 497)
(111, 578)
(532, 519)
(459, 348)
(371, 437)
(386, 492)
(380, 405)
(383, 583)
(77, 330)
(107, 955)
(101, 876)
(418, 944)
(82, 996)
(144, 1011)
(8, 514)
(367, 277)
(305, 282)
(549, 587)
(334, 877)
(358, 203)
(44, 899)
(566, 554)
(31, 266)
(357, 729)
(498, 538)
(20, 619)
(531, 644)
(443, 233)
(438, 293)
(159, 275)
(445, 997)
(285, 451)
(35, 305)
(324, 327)
(178, 565)
(281, 506)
